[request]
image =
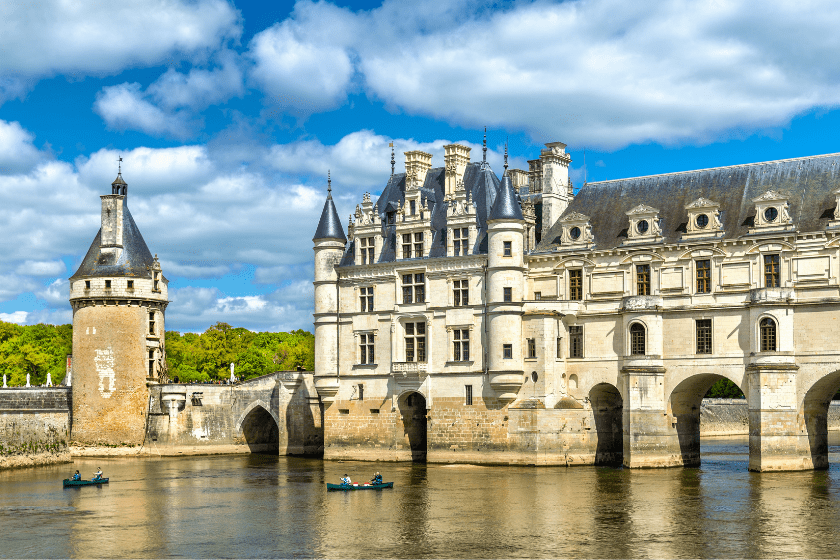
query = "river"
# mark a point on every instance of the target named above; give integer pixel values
(263, 506)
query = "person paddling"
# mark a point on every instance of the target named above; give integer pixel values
(346, 480)
(377, 478)
(98, 474)
(77, 476)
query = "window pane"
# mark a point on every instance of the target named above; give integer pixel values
(421, 328)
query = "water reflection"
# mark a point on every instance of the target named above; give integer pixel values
(262, 506)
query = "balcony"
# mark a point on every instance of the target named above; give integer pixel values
(641, 303)
(409, 370)
(771, 295)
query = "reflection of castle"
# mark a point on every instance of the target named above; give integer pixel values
(467, 318)
(118, 296)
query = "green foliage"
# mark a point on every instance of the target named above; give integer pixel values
(724, 389)
(35, 349)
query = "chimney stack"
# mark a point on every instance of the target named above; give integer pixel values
(455, 158)
(417, 164)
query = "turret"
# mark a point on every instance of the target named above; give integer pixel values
(505, 286)
(119, 297)
(329, 243)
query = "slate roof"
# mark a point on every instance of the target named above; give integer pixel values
(329, 227)
(508, 206)
(808, 183)
(133, 261)
(479, 181)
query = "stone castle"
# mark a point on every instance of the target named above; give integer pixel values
(466, 318)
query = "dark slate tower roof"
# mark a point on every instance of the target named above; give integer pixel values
(506, 206)
(808, 184)
(134, 260)
(330, 226)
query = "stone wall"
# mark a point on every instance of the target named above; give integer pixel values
(34, 426)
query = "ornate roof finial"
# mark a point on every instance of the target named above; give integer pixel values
(329, 185)
(119, 165)
(506, 165)
(392, 158)
(484, 149)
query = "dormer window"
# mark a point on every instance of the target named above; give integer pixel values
(703, 220)
(771, 213)
(644, 225)
(412, 207)
(390, 217)
(576, 230)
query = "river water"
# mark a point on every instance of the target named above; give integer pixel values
(263, 506)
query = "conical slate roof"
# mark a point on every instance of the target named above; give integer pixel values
(330, 226)
(134, 260)
(506, 206)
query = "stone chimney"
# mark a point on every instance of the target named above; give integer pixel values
(556, 195)
(455, 158)
(417, 164)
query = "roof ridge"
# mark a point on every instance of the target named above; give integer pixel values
(835, 154)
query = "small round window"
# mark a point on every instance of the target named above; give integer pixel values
(702, 221)
(770, 214)
(642, 226)
(574, 233)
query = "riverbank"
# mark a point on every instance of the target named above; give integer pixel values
(82, 450)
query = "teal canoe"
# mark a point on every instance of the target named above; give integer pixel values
(68, 482)
(364, 486)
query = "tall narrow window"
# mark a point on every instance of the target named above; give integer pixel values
(461, 345)
(576, 285)
(642, 279)
(130, 284)
(771, 271)
(414, 288)
(151, 363)
(366, 348)
(575, 341)
(460, 241)
(406, 245)
(461, 291)
(87, 284)
(532, 347)
(767, 334)
(418, 245)
(637, 339)
(507, 294)
(413, 207)
(361, 391)
(704, 336)
(704, 276)
(156, 282)
(367, 249)
(415, 342)
(559, 347)
(508, 248)
(468, 395)
(107, 284)
(366, 299)
(507, 351)
(151, 322)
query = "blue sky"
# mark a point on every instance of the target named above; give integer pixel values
(229, 114)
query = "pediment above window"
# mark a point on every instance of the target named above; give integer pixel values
(835, 223)
(576, 232)
(703, 220)
(772, 213)
(645, 225)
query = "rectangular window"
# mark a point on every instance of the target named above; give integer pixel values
(152, 322)
(107, 284)
(461, 345)
(361, 392)
(414, 288)
(537, 295)
(460, 240)
(642, 279)
(532, 347)
(418, 245)
(468, 395)
(415, 342)
(507, 351)
(406, 245)
(131, 284)
(366, 349)
(461, 291)
(413, 207)
(156, 285)
(366, 299)
(704, 276)
(508, 294)
(367, 249)
(508, 249)
(771, 271)
(151, 363)
(559, 347)
(87, 284)
(704, 336)
(576, 341)
(576, 285)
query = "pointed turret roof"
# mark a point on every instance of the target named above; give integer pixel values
(506, 207)
(330, 226)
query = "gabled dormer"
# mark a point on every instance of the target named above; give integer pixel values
(460, 223)
(645, 226)
(576, 232)
(703, 220)
(835, 223)
(771, 213)
(367, 232)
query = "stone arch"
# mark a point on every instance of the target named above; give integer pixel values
(607, 411)
(684, 404)
(412, 413)
(260, 428)
(814, 414)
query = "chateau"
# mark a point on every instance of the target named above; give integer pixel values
(466, 318)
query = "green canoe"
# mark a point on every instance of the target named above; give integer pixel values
(68, 482)
(364, 486)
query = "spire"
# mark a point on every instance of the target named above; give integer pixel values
(506, 207)
(329, 227)
(484, 150)
(119, 186)
(506, 165)
(392, 158)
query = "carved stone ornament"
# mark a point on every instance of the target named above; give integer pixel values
(835, 223)
(772, 212)
(644, 225)
(577, 231)
(703, 219)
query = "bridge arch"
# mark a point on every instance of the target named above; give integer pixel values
(608, 415)
(814, 414)
(260, 428)
(412, 413)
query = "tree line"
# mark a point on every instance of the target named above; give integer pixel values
(42, 349)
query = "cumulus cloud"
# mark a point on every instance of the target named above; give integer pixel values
(17, 152)
(124, 107)
(41, 268)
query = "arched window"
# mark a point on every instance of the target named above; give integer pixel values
(637, 339)
(767, 334)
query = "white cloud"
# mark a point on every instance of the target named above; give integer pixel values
(41, 268)
(57, 293)
(199, 88)
(18, 317)
(17, 153)
(123, 107)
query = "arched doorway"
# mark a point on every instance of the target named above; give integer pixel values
(261, 432)
(607, 409)
(413, 412)
(815, 409)
(686, 400)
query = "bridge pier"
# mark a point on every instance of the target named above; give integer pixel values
(650, 439)
(777, 442)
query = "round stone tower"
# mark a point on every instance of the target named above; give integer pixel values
(329, 245)
(505, 285)
(119, 296)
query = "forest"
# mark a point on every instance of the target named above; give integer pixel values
(42, 349)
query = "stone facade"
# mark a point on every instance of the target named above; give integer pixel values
(595, 342)
(34, 426)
